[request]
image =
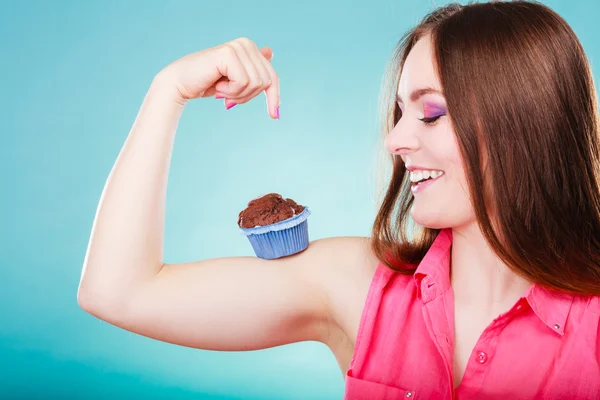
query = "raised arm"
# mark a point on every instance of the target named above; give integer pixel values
(237, 303)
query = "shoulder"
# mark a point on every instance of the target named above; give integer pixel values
(345, 263)
(585, 308)
(583, 338)
(343, 269)
(343, 256)
(345, 280)
(584, 317)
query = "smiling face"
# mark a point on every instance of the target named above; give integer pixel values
(425, 140)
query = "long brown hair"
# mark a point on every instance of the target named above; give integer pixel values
(522, 102)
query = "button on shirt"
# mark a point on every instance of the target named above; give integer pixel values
(547, 346)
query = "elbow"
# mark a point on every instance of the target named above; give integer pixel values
(90, 302)
(106, 308)
(84, 299)
(98, 304)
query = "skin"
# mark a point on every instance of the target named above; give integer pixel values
(483, 285)
(247, 303)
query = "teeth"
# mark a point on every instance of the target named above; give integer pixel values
(416, 176)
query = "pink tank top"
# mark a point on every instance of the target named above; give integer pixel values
(546, 346)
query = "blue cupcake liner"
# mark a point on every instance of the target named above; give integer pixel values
(281, 239)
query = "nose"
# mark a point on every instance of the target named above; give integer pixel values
(401, 140)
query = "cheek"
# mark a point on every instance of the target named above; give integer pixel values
(451, 205)
(458, 189)
(445, 150)
(453, 153)
(460, 179)
(454, 162)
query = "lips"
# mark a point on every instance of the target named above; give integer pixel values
(421, 184)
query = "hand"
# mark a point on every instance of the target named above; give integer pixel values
(236, 71)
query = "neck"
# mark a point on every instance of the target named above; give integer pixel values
(478, 277)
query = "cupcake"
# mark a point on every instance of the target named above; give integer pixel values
(276, 227)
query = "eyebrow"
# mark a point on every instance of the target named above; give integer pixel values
(416, 94)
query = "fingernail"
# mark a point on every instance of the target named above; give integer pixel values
(219, 97)
(231, 105)
(277, 112)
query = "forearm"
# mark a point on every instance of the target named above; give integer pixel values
(126, 243)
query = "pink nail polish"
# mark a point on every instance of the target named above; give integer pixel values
(231, 105)
(277, 112)
(219, 97)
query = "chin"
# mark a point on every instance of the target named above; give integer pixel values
(432, 225)
(436, 220)
(428, 221)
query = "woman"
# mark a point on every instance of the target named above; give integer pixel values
(493, 131)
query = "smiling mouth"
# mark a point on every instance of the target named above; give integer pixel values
(422, 179)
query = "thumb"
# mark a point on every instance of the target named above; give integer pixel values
(267, 52)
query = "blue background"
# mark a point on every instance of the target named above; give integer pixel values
(73, 75)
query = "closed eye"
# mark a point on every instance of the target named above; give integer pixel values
(430, 120)
(427, 121)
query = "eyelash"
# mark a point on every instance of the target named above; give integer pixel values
(426, 121)
(430, 121)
